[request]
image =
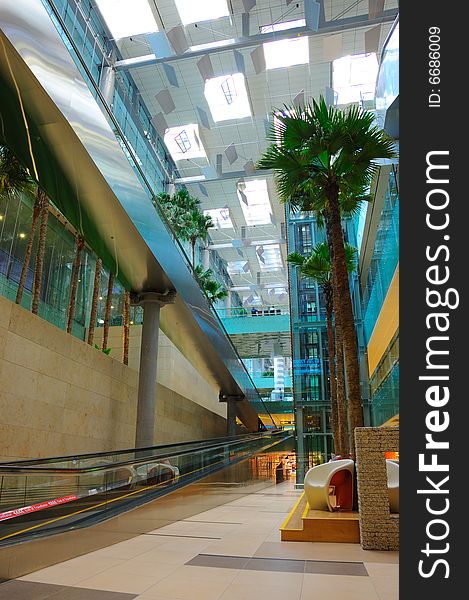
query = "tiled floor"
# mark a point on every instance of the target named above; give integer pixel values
(232, 552)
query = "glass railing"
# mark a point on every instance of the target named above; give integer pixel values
(46, 496)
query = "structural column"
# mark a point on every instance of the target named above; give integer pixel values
(152, 303)
(300, 445)
(231, 411)
(231, 417)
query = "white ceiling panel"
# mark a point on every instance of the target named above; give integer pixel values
(265, 91)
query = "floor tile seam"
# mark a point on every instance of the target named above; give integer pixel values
(378, 593)
(174, 535)
(211, 522)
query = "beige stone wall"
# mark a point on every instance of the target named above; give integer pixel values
(175, 372)
(379, 529)
(59, 396)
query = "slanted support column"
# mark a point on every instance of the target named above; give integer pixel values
(152, 303)
(231, 412)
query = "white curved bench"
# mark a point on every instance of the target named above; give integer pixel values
(318, 480)
(392, 469)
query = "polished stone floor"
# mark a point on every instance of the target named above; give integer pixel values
(232, 552)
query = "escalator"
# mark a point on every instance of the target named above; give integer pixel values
(46, 497)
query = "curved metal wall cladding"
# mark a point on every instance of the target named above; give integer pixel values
(54, 124)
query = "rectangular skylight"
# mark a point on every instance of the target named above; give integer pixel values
(270, 257)
(286, 53)
(220, 217)
(209, 45)
(238, 267)
(354, 77)
(227, 97)
(254, 200)
(195, 11)
(125, 19)
(184, 142)
(283, 26)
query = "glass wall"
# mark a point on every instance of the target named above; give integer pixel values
(15, 225)
(309, 349)
(384, 381)
(385, 257)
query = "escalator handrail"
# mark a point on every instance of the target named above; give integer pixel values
(54, 459)
(16, 469)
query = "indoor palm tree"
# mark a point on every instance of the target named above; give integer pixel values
(126, 329)
(94, 301)
(214, 290)
(318, 154)
(107, 312)
(318, 266)
(15, 182)
(41, 250)
(195, 227)
(176, 206)
(80, 244)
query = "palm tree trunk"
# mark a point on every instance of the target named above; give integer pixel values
(335, 425)
(74, 283)
(107, 312)
(126, 333)
(344, 447)
(41, 248)
(94, 301)
(29, 247)
(343, 307)
(193, 252)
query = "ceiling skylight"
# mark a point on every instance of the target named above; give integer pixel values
(220, 217)
(283, 26)
(209, 45)
(126, 18)
(184, 142)
(286, 53)
(227, 97)
(238, 267)
(254, 200)
(194, 11)
(354, 77)
(270, 257)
